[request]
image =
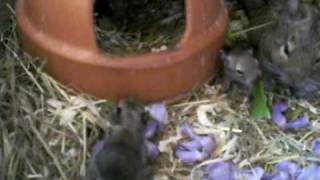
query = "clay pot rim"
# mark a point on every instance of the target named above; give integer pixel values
(69, 48)
(177, 54)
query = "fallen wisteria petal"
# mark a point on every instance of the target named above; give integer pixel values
(202, 144)
(299, 123)
(280, 107)
(281, 121)
(268, 176)
(188, 156)
(282, 176)
(159, 112)
(153, 150)
(207, 144)
(160, 115)
(316, 147)
(288, 167)
(251, 174)
(310, 173)
(287, 170)
(186, 129)
(277, 117)
(221, 170)
(191, 145)
(152, 129)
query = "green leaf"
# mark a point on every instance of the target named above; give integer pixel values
(259, 107)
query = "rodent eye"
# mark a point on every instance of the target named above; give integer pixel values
(240, 72)
(286, 49)
(289, 46)
(116, 116)
(118, 111)
(239, 69)
(276, 77)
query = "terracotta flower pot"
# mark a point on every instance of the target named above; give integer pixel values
(62, 32)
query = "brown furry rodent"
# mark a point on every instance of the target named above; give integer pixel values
(287, 46)
(240, 67)
(124, 155)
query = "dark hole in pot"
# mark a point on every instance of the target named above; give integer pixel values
(126, 27)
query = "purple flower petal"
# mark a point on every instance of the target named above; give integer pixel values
(277, 117)
(310, 173)
(189, 157)
(268, 176)
(208, 144)
(252, 174)
(221, 170)
(186, 129)
(159, 112)
(299, 123)
(190, 145)
(282, 176)
(152, 129)
(280, 107)
(203, 145)
(288, 168)
(280, 120)
(316, 147)
(153, 150)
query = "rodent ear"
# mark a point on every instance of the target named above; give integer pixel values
(224, 57)
(293, 6)
(250, 51)
(115, 116)
(256, 62)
